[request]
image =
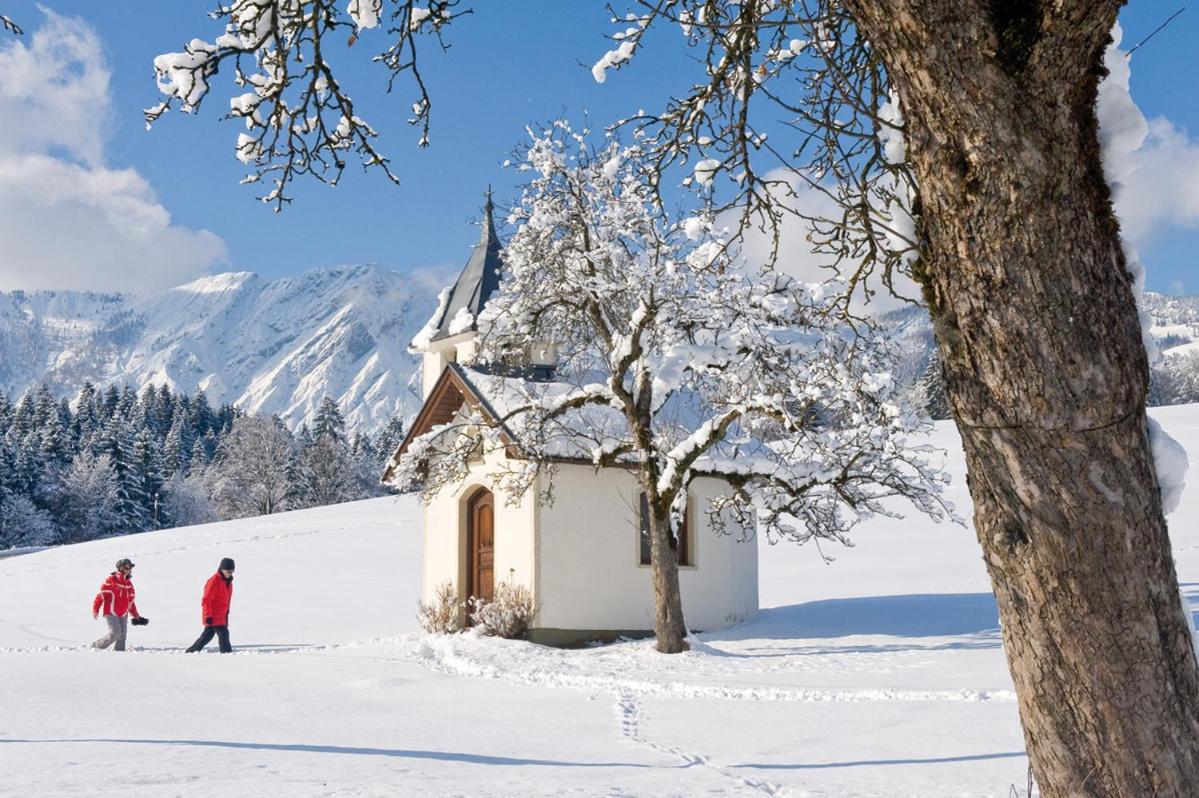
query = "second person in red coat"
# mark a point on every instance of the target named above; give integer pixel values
(214, 608)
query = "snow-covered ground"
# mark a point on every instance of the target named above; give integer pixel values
(880, 674)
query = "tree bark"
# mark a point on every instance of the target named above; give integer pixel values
(669, 627)
(1046, 375)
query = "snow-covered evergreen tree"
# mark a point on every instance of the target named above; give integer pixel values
(328, 421)
(932, 389)
(126, 460)
(389, 439)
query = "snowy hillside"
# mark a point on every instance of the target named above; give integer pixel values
(878, 674)
(268, 346)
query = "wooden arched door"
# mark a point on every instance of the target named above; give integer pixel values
(480, 545)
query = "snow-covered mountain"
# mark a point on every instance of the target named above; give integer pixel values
(279, 346)
(1175, 329)
(269, 346)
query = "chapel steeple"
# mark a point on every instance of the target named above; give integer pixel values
(479, 279)
(453, 337)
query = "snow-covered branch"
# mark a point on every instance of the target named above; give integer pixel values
(807, 59)
(299, 119)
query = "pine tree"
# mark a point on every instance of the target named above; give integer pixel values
(328, 421)
(389, 439)
(86, 420)
(147, 474)
(201, 415)
(177, 449)
(932, 386)
(108, 405)
(116, 442)
(24, 418)
(6, 413)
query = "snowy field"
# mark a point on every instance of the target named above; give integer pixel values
(880, 674)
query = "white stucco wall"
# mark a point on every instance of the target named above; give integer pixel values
(458, 348)
(581, 555)
(445, 556)
(589, 572)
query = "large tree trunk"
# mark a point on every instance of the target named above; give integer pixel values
(1046, 375)
(669, 627)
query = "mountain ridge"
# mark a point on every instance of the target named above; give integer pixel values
(266, 345)
(280, 345)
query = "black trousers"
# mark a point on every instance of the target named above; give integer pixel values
(222, 635)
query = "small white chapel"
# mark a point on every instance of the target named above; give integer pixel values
(584, 556)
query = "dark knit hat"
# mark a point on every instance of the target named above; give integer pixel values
(226, 564)
(121, 563)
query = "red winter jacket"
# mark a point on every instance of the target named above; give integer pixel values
(218, 592)
(115, 596)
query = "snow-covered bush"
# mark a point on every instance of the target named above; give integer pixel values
(508, 614)
(441, 615)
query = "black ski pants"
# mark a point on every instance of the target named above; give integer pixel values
(222, 635)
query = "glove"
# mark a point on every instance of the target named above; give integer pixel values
(208, 621)
(142, 621)
(95, 616)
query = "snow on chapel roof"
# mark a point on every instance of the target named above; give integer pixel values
(480, 277)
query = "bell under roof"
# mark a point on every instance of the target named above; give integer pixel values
(479, 279)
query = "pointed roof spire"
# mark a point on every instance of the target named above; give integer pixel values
(480, 277)
(489, 233)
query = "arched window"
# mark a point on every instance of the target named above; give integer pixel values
(682, 544)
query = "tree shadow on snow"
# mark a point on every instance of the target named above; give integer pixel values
(401, 753)
(973, 618)
(940, 760)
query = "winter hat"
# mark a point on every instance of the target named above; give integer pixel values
(226, 564)
(121, 563)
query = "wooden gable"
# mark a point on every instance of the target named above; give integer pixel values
(450, 392)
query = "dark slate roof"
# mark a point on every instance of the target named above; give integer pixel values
(480, 277)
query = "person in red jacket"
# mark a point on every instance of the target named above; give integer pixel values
(115, 600)
(214, 608)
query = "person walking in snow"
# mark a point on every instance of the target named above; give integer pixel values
(214, 608)
(115, 600)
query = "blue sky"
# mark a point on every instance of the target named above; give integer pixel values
(511, 64)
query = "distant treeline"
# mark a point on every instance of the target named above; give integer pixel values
(1173, 380)
(115, 461)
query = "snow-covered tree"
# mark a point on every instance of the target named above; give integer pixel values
(932, 389)
(253, 465)
(328, 421)
(389, 439)
(297, 118)
(23, 523)
(90, 498)
(326, 473)
(188, 501)
(676, 359)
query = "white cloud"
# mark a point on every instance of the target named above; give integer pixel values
(67, 220)
(1153, 164)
